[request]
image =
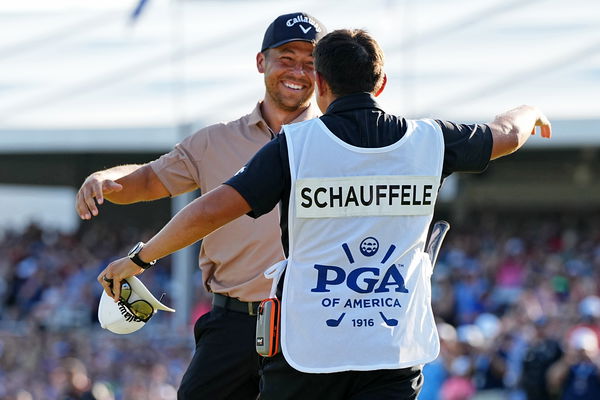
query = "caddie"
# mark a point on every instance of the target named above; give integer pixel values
(357, 188)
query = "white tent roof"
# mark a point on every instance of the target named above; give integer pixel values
(77, 74)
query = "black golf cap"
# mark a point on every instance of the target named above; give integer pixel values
(291, 27)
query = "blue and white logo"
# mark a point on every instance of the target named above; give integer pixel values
(369, 246)
(377, 285)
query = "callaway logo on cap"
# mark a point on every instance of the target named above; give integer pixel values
(292, 27)
(135, 307)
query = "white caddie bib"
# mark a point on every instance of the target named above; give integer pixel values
(357, 292)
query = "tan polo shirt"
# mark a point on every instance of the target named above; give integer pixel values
(233, 258)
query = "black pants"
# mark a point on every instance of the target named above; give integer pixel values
(225, 364)
(281, 382)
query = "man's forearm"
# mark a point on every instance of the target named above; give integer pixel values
(117, 172)
(139, 183)
(510, 130)
(123, 184)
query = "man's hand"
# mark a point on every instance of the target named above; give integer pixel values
(92, 191)
(110, 278)
(511, 129)
(544, 124)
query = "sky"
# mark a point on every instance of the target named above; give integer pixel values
(83, 64)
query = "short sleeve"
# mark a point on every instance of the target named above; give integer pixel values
(468, 147)
(178, 169)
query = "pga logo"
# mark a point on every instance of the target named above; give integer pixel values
(364, 279)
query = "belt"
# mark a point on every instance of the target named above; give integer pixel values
(236, 305)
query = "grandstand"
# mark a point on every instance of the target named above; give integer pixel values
(85, 86)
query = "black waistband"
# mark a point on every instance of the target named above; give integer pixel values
(229, 303)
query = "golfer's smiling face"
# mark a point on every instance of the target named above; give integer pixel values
(289, 74)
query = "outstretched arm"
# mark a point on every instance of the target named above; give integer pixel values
(198, 219)
(511, 129)
(124, 184)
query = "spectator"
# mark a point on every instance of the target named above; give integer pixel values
(542, 351)
(577, 375)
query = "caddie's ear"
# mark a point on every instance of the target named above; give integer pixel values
(324, 94)
(260, 62)
(382, 86)
(322, 86)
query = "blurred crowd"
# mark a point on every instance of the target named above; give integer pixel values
(51, 344)
(518, 312)
(516, 300)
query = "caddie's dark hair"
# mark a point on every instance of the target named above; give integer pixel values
(350, 60)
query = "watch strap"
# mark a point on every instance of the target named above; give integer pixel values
(134, 255)
(141, 263)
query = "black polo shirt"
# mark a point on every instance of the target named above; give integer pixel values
(357, 120)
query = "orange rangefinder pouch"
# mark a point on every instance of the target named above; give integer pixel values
(267, 327)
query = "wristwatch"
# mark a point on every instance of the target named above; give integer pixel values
(134, 255)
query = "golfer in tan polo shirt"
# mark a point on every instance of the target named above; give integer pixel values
(225, 364)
